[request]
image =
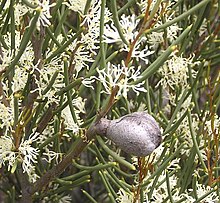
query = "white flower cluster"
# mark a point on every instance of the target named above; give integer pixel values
(117, 76)
(26, 154)
(21, 9)
(129, 27)
(44, 7)
(27, 151)
(6, 117)
(160, 192)
(82, 56)
(174, 73)
(163, 15)
(6, 154)
(86, 48)
(92, 23)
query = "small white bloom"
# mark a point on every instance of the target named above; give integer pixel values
(203, 190)
(6, 117)
(175, 71)
(65, 199)
(130, 32)
(177, 197)
(7, 156)
(160, 192)
(92, 22)
(79, 104)
(6, 58)
(45, 74)
(140, 53)
(25, 62)
(156, 38)
(81, 57)
(128, 26)
(19, 11)
(28, 153)
(44, 7)
(87, 82)
(120, 76)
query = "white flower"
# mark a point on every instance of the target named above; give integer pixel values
(129, 25)
(129, 29)
(65, 199)
(120, 76)
(203, 190)
(140, 53)
(19, 11)
(175, 71)
(6, 59)
(92, 23)
(44, 7)
(79, 104)
(111, 34)
(156, 38)
(7, 156)
(6, 117)
(69, 121)
(25, 62)
(45, 74)
(28, 154)
(81, 56)
(20, 79)
(177, 197)
(27, 57)
(160, 190)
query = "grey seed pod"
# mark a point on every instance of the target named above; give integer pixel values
(137, 133)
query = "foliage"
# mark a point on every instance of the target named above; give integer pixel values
(64, 65)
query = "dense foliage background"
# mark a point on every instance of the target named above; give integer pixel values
(66, 64)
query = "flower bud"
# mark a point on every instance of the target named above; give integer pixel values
(137, 133)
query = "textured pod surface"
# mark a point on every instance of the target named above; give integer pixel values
(137, 133)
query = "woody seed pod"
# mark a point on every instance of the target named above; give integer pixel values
(137, 133)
